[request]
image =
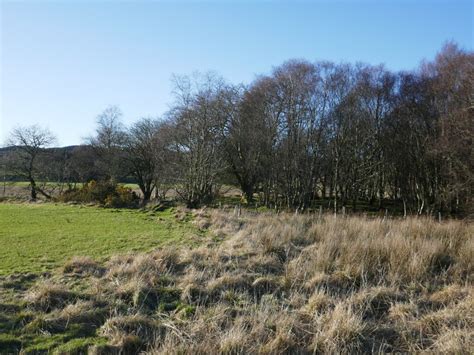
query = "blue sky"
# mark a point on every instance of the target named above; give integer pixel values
(63, 62)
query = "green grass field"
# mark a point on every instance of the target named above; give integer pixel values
(39, 237)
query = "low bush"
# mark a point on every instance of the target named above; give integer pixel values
(105, 193)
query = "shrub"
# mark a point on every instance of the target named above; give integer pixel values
(105, 193)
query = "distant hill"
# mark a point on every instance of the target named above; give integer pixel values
(53, 154)
(69, 148)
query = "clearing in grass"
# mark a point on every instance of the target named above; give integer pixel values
(38, 237)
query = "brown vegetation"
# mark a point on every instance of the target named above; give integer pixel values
(279, 284)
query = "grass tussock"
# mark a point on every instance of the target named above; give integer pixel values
(48, 296)
(274, 284)
(83, 265)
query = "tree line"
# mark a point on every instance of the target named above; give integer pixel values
(305, 133)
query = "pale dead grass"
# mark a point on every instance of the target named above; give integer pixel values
(46, 296)
(83, 265)
(287, 284)
(116, 328)
(339, 330)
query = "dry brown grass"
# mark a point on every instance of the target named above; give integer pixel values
(286, 284)
(46, 296)
(83, 265)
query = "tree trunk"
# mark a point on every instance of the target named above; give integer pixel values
(146, 195)
(248, 191)
(33, 189)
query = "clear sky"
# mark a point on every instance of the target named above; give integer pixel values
(63, 62)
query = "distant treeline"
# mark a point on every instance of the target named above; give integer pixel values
(308, 131)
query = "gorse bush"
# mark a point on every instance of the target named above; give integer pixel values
(106, 193)
(121, 197)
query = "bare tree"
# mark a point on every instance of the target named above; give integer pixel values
(250, 138)
(451, 78)
(29, 144)
(108, 143)
(141, 151)
(198, 120)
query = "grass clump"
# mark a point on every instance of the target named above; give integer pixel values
(79, 346)
(48, 296)
(131, 334)
(83, 265)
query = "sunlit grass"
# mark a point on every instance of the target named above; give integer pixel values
(38, 237)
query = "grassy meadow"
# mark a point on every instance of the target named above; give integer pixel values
(269, 284)
(39, 237)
